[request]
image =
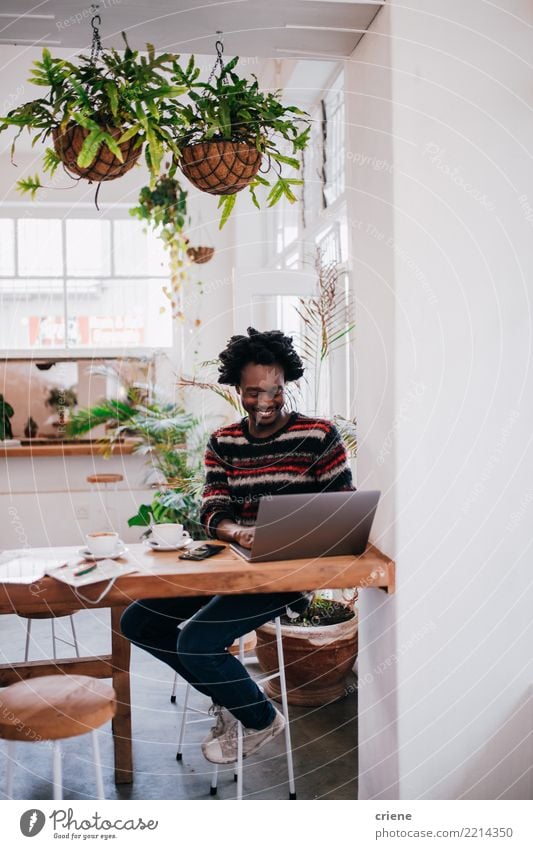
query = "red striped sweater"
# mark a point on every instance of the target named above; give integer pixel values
(305, 455)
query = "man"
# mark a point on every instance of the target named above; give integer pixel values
(269, 452)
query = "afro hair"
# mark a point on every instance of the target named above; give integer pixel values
(264, 349)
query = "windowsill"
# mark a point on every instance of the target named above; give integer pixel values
(41, 355)
(56, 448)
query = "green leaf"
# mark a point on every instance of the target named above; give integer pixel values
(90, 148)
(111, 143)
(287, 160)
(143, 516)
(226, 203)
(112, 94)
(128, 134)
(29, 184)
(50, 161)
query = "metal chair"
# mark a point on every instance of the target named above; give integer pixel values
(238, 775)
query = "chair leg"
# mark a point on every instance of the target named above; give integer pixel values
(239, 762)
(285, 706)
(214, 781)
(97, 766)
(54, 649)
(10, 766)
(28, 636)
(57, 770)
(179, 755)
(74, 637)
(174, 688)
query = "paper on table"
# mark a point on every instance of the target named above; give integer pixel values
(103, 570)
(24, 569)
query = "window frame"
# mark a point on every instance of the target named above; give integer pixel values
(64, 213)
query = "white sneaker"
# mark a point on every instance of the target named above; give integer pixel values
(223, 719)
(222, 749)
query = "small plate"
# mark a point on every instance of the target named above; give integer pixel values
(157, 546)
(119, 552)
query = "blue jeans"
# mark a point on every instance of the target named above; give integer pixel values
(198, 650)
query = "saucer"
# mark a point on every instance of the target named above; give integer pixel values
(119, 552)
(157, 546)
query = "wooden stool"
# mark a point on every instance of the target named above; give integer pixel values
(55, 707)
(105, 481)
(55, 639)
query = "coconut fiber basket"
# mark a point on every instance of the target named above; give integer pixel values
(106, 166)
(220, 167)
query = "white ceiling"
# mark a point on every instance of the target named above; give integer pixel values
(262, 28)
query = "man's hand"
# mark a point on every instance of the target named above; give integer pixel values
(232, 532)
(245, 537)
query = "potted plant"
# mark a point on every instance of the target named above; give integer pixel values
(320, 648)
(101, 112)
(167, 437)
(230, 128)
(164, 208)
(61, 401)
(31, 428)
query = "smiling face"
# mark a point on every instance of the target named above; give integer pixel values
(261, 390)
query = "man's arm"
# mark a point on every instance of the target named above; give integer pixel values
(216, 514)
(332, 470)
(216, 498)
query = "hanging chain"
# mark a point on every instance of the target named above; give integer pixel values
(96, 20)
(219, 47)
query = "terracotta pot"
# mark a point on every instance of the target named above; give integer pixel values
(106, 166)
(317, 660)
(200, 254)
(220, 167)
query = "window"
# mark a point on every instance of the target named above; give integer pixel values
(334, 145)
(81, 283)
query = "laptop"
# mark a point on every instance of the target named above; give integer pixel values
(319, 524)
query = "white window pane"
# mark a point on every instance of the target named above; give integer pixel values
(88, 247)
(40, 250)
(7, 246)
(119, 314)
(334, 154)
(137, 252)
(31, 314)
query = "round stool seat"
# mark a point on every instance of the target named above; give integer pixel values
(47, 614)
(250, 642)
(110, 477)
(55, 707)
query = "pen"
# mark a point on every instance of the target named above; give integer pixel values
(85, 571)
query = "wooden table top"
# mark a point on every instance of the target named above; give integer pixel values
(161, 574)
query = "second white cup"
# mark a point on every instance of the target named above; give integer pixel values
(169, 534)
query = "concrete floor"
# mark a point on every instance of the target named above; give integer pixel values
(324, 739)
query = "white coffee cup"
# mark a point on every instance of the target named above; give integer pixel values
(168, 534)
(103, 543)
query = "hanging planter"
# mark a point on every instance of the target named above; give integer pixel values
(232, 131)
(102, 112)
(68, 144)
(220, 167)
(200, 254)
(164, 208)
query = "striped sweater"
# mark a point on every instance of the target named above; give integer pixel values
(305, 455)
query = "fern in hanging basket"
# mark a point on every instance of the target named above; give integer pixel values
(102, 113)
(233, 130)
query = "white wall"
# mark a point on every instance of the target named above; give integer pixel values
(461, 447)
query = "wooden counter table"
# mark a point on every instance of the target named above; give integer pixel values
(161, 574)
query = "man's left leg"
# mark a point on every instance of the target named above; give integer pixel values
(203, 650)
